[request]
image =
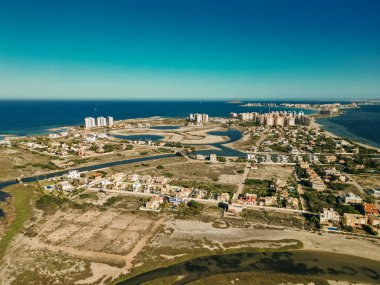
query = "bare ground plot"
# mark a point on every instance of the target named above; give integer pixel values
(179, 231)
(268, 172)
(15, 162)
(367, 180)
(197, 170)
(40, 266)
(108, 231)
(77, 247)
(151, 164)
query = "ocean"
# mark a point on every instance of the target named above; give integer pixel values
(38, 117)
(362, 125)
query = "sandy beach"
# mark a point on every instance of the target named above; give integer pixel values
(319, 127)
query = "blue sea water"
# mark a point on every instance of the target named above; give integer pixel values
(33, 117)
(362, 124)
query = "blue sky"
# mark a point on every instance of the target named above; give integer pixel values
(177, 49)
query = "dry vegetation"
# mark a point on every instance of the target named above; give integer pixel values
(268, 172)
(13, 163)
(368, 180)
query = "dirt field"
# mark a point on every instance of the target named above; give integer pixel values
(12, 163)
(368, 180)
(88, 245)
(267, 172)
(200, 170)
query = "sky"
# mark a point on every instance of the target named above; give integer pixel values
(182, 49)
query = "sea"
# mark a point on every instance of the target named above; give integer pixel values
(38, 117)
(361, 125)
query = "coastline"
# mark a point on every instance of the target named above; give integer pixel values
(353, 137)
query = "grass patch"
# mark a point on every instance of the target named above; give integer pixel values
(22, 196)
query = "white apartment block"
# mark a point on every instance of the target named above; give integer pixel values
(198, 118)
(101, 121)
(110, 121)
(89, 122)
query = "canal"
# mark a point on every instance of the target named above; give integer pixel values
(324, 265)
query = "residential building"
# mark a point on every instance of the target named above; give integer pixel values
(89, 122)
(66, 186)
(374, 221)
(110, 121)
(351, 198)
(375, 192)
(213, 157)
(370, 209)
(101, 121)
(73, 175)
(154, 203)
(354, 220)
(329, 215)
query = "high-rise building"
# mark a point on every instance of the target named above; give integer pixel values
(204, 118)
(89, 122)
(110, 121)
(101, 121)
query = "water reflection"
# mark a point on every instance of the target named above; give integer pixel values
(317, 264)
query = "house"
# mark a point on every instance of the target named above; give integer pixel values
(213, 157)
(153, 204)
(351, 198)
(374, 221)
(5, 143)
(354, 220)
(370, 209)
(236, 207)
(292, 203)
(136, 186)
(270, 201)
(303, 165)
(73, 175)
(317, 184)
(251, 156)
(329, 215)
(224, 197)
(330, 158)
(200, 157)
(250, 199)
(375, 192)
(66, 186)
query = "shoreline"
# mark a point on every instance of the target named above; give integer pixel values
(319, 126)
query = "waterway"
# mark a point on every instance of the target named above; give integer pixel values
(328, 266)
(165, 127)
(222, 150)
(86, 168)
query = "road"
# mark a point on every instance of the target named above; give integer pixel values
(356, 184)
(242, 181)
